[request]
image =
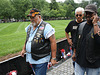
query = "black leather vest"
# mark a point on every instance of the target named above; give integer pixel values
(40, 47)
(90, 54)
(90, 48)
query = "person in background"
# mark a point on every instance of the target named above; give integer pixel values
(40, 43)
(72, 28)
(87, 44)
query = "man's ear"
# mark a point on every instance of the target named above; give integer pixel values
(39, 16)
(83, 15)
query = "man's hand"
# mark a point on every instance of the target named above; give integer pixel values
(73, 57)
(70, 42)
(53, 62)
(95, 19)
(23, 52)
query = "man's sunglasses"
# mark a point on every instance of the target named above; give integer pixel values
(78, 15)
(89, 13)
(31, 17)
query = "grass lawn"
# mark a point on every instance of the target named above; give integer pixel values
(13, 35)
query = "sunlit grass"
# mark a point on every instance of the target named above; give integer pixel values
(13, 35)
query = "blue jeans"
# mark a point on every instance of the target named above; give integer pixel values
(89, 71)
(40, 69)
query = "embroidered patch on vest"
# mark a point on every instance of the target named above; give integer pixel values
(79, 36)
(38, 35)
(41, 27)
(92, 36)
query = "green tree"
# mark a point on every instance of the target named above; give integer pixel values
(21, 6)
(54, 5)
(53, 13)
(69, 10)
(61, 10)
(43, 6)
(71, 2)
(6, 9)
(45, 11)
(39, 4)
(84, 3)
(99, 12)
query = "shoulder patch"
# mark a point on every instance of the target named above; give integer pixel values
(92, 36)
(41, 27)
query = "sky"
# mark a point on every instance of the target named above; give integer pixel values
(76, 1)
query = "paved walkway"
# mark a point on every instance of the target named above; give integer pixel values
(65, 68)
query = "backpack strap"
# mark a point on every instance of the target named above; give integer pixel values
(81, 26)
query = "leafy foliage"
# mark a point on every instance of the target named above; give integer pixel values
(6, 9)
(21, 6)
(18, 9)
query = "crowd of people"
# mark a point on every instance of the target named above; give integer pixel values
(40, 45)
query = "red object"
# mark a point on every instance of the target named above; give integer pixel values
(49, 65)
(14, 72)
(70, 48)
(68, 54)
(62, 50)
(63, 54)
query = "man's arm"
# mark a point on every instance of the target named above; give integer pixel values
(68, 39)
(74, 55)
(97, 34)
(53, 49)
(75, 45)
(27, 29)
(96, 29)
(95, 24)
(23, 51)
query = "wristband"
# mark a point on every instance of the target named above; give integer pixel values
(54, 58)
(95, 24)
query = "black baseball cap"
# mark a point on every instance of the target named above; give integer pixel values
(91, 8)
(33, 12)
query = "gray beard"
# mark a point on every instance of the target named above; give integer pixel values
(34, 24)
